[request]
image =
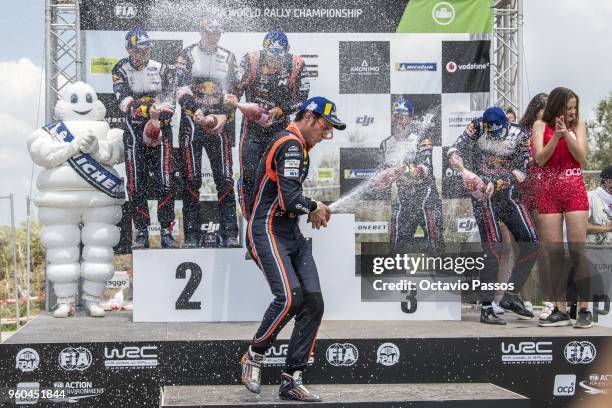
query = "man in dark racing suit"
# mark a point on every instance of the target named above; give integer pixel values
(206, 73)
(281, 251)
(417, 202)
(271, 78)
(500, 152)
(145, 89)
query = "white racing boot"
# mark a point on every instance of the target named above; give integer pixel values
(92, 304)
(64, 308)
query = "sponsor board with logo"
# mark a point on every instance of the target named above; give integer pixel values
(276, 356)
(325, 173)
(130, 357)
(27, 360)
(376, 360)
(388, 354)
(467, 225)
(155, 229)
(526, 352)
(371, 227)
(120, 280)
(75, 391)
(75, 358)
(565, 385)
(466, 66)
(597, 384)
(364, 67)
(580, 352)
(342, 354)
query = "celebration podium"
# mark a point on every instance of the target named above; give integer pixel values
(220, 285)
(195, 311)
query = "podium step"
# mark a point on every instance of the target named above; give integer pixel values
(443, 395)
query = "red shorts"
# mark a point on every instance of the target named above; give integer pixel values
(529, 191)
(562, 194)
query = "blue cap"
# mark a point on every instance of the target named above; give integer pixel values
(495, 122)
(276, 42)
(210, 25)
(137, 38)
(324, 107)
(403, 106)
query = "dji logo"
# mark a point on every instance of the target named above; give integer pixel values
(365, 120)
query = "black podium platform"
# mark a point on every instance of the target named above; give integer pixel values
(115, 362)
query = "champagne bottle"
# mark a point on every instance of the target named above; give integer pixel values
(151, 134)
(251, 111)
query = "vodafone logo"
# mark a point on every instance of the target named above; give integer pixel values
(451, 66)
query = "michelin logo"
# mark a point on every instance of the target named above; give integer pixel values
(358, 173)
(416, 66)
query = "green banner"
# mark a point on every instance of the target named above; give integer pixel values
(451, 16)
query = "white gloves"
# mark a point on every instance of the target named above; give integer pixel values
(89, 144)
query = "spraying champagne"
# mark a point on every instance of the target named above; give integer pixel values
(251, 111)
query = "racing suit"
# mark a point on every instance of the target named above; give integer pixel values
(281, 251)
(284, 89)
(495, 160)
(136, 91)
(203, 80)
(417, 202)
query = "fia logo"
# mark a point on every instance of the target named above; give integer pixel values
(365, 120)
(125, 10)
(75, 359)
(342, 355)
(580, 352)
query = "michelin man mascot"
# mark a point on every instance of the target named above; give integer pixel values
(80, 196)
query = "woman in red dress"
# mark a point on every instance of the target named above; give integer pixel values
(560, 149)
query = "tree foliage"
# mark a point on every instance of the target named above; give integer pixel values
(600, 136)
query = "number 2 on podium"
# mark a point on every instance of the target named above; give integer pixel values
(195, 277)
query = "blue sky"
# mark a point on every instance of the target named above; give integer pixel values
(22, 30)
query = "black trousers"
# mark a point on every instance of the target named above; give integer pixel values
(292, 275)
(192, 139)
(413, 208)
(505, 206)
(141, 161)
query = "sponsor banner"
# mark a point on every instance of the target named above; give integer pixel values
(580, 352)
(130, 357)
(597, 384)
(415, 16)
(325, 173)
(364, 67)
(467, 225)
(432, 16)
(277, 355)
(527, 352)
(371, 227)
(465, 66)
(416, 64)
(155, 229)
(102, 65)
(120, 280)
(375, 361)
(565, 385)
